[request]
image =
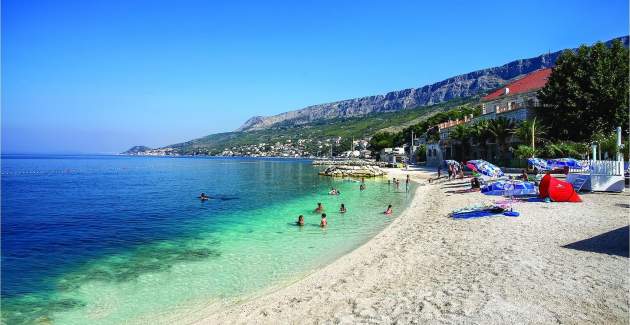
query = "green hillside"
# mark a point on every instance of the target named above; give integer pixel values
(357, 127)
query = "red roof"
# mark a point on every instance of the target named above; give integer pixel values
(532, 81)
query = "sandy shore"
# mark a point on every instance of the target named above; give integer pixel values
(427, 268)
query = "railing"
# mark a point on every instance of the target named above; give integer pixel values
(600, 167)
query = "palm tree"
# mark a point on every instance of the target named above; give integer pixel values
(501, 129)
(480, 134)
(531, 132)
(461, 133)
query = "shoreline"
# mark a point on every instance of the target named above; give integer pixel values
(424, 267)
(195, 310)
(207, 314)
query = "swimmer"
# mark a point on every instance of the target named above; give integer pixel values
(389, 210)
(362, 187)
(324, 222)
(300, 221)
(203, 197)
(342, 209)
(319, 208)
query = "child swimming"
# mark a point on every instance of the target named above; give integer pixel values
(319, 208)
(324, 222)
(342, 209)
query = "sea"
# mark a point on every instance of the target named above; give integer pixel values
(95, 239)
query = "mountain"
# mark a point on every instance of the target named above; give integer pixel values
(461, 86)
(358, 127)
(136, 150)
(362, 117)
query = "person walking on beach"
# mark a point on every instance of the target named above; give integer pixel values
(439, 172)
(324, 222)
(319, 208)
(407, 184)
(450, 172)
(342, 209)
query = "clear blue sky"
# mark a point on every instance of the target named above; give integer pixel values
(101, 76)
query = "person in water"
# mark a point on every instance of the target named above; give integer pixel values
(324, 222)
(203, 196)
(362, 187)
(319, 208)
(342, 209)
(407, 184)
(389, 210)
(300, 221)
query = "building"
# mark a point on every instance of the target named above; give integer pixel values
(515, 100)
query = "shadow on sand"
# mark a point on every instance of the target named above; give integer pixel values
(614, 242)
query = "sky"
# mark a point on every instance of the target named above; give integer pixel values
(101, 76)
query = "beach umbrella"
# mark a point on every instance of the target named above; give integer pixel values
(505, 187)
(538, 163)
(485, 168)
(450, 162)
(564, 162)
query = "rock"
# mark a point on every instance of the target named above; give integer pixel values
(353, 171)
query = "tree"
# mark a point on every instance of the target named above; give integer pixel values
(382, 140)
(461, 134)
(501, 129)
(523, 151)
(587, 93)
(531, 132)
(481, 134)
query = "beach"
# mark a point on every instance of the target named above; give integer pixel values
(427, 268)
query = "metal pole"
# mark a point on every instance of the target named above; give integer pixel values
(619, 155)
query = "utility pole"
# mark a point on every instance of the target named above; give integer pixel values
(533, 140)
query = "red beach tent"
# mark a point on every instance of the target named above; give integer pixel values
(557, 190)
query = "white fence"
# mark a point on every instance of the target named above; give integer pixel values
(600, 168)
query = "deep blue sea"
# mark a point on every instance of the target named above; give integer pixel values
(111, 239)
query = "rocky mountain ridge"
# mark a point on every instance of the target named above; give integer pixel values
(460, 86)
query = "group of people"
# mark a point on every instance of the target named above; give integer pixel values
(397, 183)
(455, 170)
(342, 209)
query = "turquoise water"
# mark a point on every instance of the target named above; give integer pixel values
(123, 239)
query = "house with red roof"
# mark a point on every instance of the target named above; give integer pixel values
(515, 100)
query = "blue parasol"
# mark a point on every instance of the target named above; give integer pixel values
(484, 168)
(504, 187)
(564, 162)
(538, 163)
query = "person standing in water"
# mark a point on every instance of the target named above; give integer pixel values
(319, 208)
(300, 221)
(324, 222)
(389, 210)
(342, 209)
(407, 184)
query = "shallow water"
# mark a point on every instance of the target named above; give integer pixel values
(105, 240)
